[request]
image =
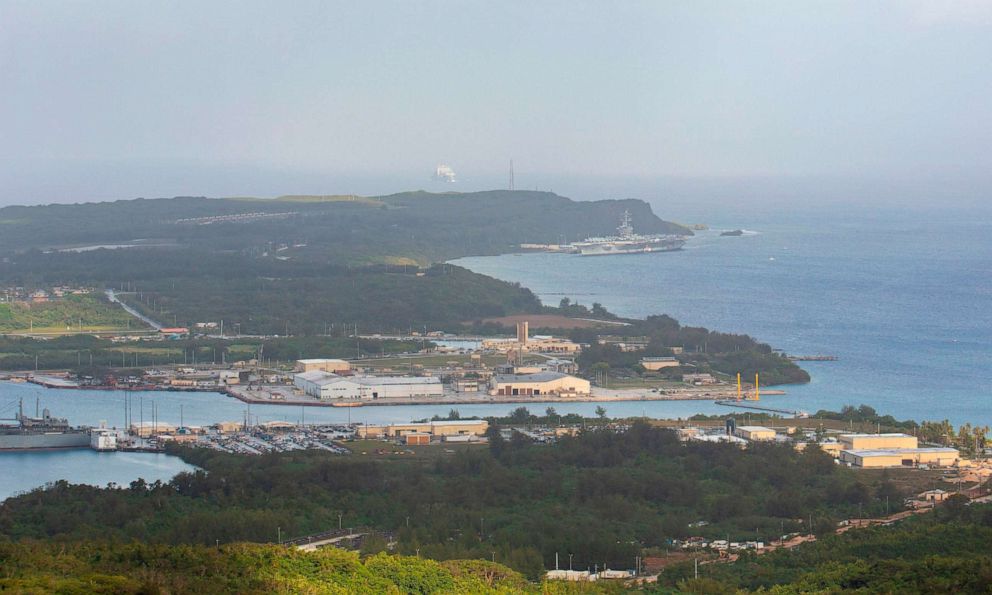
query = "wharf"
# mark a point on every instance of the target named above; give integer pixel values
(745, 405)
(283, 396)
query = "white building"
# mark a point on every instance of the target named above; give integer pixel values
(327, 386)
(101, 439)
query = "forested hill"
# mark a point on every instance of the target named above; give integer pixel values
(302, 262)
(410, 227)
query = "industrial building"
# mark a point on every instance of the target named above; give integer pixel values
(334, 366)
(877, 441)
(536, 344)
(753, 433)
(540, 384)
(437, 429)
(900, 457)
(653, 364)
(327, 386)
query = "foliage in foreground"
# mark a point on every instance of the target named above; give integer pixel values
(603, 497)
(942, 552)
(91, 567)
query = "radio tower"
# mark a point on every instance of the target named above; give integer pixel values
(511, 174)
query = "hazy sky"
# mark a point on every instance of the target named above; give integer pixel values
(103, 99)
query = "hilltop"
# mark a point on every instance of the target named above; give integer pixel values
(405, 228)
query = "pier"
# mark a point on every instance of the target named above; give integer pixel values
(747, 405)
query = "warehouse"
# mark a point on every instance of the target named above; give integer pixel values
(753, 433)
(900, 457)
(877, 441)
(335, 366)
(446, 429)
(653, 364)
(326, 386)
(542, 383)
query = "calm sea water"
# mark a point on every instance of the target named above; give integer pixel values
(24, 471)
(902, 296)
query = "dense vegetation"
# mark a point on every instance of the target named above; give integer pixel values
(703, 351)
(410, 227)
(944, 552)
(603, 496)
(92, 355)
(396, 299)
(102, 567)
(307, 266)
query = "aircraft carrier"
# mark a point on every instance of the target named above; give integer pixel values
(628, 242)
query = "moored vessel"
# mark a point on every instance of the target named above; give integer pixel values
(41, 432)
(628, 242)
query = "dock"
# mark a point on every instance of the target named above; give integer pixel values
(748, 405)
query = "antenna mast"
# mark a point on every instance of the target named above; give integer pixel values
(511, 175)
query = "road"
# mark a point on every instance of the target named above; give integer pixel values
(112, 296)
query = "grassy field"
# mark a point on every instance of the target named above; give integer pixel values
(69, 315)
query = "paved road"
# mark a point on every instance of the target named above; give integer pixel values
(113, 298)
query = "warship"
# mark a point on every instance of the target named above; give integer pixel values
(42, 431)
(628, 242)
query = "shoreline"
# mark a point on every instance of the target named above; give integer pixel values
(600, 395)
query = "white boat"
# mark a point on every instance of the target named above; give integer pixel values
(444, 173)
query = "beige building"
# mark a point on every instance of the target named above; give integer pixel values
(334, 366)
(877, 441)
(753, 433)
(540, 384)
(458, 427)
(226, 427)
(536, 344)
(653, 364)
(900, 457)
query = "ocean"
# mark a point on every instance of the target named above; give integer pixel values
(901, 295)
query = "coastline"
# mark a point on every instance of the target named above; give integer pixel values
(255, 397)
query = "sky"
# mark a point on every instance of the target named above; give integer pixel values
(103, 100)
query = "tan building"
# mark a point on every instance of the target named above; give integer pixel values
(151, 428)
(470, 427)
(540, 384)
(653, 364)
(877, 441)
(458, 427)
(536, 344)
(900, 457)
(226, 427)
(334, 366)
(417, 439)
(753, 433)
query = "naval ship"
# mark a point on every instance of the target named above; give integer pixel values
(628, 242)
(42, 432)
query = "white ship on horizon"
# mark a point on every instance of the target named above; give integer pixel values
(628, 242)
(444, 173)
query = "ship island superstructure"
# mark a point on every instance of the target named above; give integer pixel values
(627, 242)
(42, 431)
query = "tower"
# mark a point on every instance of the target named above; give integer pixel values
(522, 330)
